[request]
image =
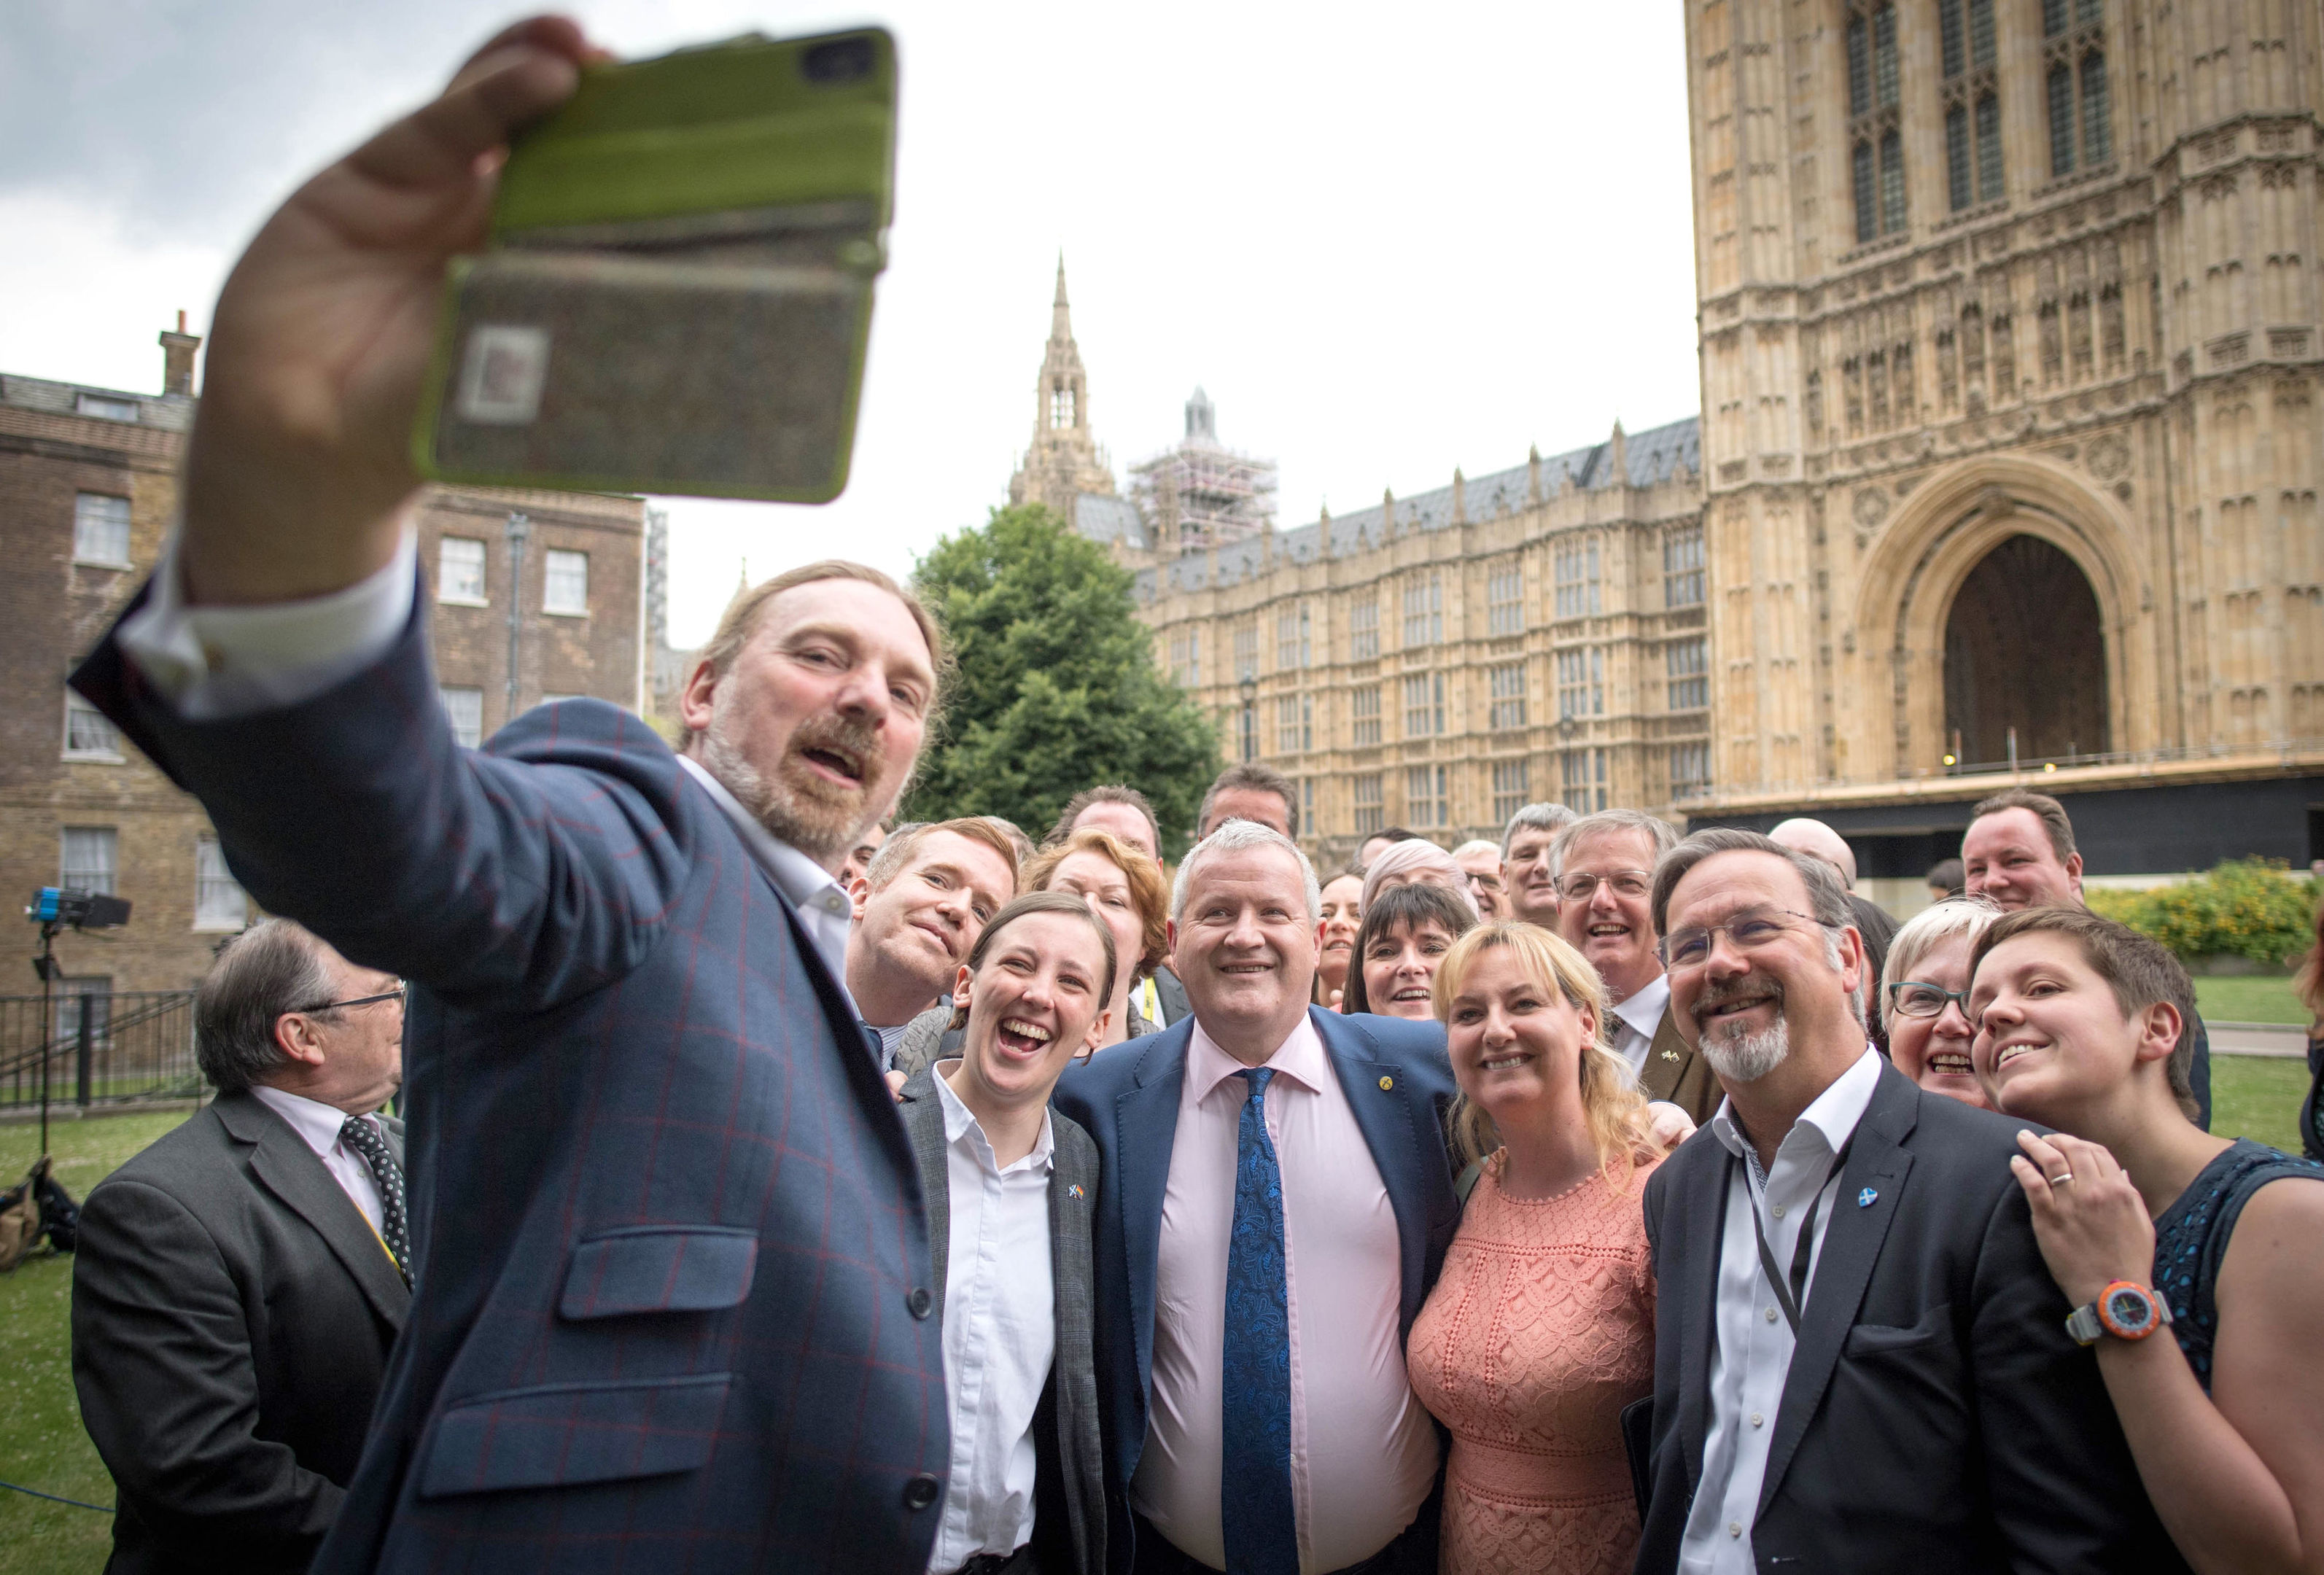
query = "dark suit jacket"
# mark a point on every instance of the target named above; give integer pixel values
(1172, 994)
(1676, 1071)
(666, 1227)
(1936, 1417)
(231, 1315)
(1399, 1084)
(1069, 1488)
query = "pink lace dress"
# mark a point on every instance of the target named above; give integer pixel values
(1540, 1329)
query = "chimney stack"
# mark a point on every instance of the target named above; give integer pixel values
(178, 360)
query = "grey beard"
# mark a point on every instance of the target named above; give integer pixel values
(1748, 1057)
(818, 837)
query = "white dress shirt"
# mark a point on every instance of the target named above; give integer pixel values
(1363, 1450)
(1636, 1018)
(1752, 1355)
(212, 663)
(1000, 1333)
(318, 1126)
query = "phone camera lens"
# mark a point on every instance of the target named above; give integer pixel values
(843, 59)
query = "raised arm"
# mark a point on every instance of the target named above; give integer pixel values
(300, 468)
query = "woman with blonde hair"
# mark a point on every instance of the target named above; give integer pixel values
(1541, 1327)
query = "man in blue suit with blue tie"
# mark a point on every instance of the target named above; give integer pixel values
(1279, 1199)
(671, 1304)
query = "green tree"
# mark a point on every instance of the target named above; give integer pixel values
(1056, 689)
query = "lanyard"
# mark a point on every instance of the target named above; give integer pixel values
(1791, 1294)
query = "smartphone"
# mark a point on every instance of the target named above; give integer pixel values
(676, 296)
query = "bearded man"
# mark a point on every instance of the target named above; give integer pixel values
(671, 1301)
(1840, 1260)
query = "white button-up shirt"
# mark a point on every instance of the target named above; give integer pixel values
(1637, 1019)
(1752, 1356)
(318, 1126)
(1000, 1335)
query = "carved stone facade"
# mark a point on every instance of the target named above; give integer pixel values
(1064, 461)
(2010, 350)
(2011, 337)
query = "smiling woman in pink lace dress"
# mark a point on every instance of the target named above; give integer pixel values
(1542, 1326)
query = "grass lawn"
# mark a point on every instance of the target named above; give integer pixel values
(2249, 1000)
(41, 1445)
(2258, 1096)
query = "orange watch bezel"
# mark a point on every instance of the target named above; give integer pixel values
(2106, 1311)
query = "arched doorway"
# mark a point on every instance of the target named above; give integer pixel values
(2024, 651)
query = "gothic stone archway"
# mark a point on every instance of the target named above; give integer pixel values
(2024, 659)
(1917, 572)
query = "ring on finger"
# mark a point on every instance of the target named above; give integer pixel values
(2062, 1178)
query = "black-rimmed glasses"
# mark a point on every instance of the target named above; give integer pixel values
(1914, 998)
(1691, 947)
(396, 995)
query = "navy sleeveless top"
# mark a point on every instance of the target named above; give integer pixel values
(2190, 1239)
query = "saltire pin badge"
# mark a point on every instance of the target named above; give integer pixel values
(1074, 1191)
(1864, 1199)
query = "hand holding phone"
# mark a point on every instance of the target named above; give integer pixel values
(676, 296)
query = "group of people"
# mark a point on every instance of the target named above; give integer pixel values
(774, 1194)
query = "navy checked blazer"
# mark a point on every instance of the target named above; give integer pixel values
(1399, 1084)
(671, 1304)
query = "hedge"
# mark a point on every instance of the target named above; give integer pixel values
(2250, 908)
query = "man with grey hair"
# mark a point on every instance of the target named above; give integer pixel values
(1803, 834)
(1481, 860)
(1604, 866)
(1278, 1171)
(1525, 862)
(1841, 1258)
(240, 1282)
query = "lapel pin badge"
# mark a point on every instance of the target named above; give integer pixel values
(1074, 1191)
(1387, 1082)
(1864, 1200)
(1670, 1055)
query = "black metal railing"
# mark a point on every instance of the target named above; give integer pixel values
(99, 1047)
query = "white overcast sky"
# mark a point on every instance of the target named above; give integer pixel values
(1387, 240)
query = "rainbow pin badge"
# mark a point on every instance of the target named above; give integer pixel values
(1074, 1191)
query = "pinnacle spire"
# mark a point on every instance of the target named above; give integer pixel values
(1061, 321)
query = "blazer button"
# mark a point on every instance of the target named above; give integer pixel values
(919, 1302)
(921, 1491)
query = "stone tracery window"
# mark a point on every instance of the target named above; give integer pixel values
(1972, 103)
(2081, 110)
(1875, 134)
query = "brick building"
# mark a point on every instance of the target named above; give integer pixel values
(88, 481)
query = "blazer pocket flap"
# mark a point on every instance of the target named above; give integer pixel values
(560, 1435)
(1877, 1339)
(659, 1269)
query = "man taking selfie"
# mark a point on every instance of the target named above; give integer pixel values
(671, 1271)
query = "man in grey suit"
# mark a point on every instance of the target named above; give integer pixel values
(1010, 1187)
(239, 1282)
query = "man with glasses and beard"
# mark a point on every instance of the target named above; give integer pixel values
(1860, 1362)
(671, 1266)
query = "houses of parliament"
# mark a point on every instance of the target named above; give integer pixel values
(2006, 472)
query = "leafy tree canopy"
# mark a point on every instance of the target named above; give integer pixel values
(1056, 689)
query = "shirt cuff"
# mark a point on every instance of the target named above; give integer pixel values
(213, 663)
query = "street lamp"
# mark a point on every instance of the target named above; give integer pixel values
(1249, 686)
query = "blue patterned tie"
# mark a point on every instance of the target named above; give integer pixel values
(1260, 1528)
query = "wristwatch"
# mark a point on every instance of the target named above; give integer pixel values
(2125, 1308)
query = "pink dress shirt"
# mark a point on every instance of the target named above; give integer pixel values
(1363, 1452)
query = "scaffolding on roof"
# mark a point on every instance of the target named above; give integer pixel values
(1200, 496)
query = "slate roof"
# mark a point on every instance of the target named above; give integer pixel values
(1104, 520)
(1652, 456)
(171, 412)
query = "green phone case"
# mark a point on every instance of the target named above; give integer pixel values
(677, 294)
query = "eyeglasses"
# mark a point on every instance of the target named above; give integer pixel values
(1691, 947)
(396, 995)
(1914, 998)
(1625, 882)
